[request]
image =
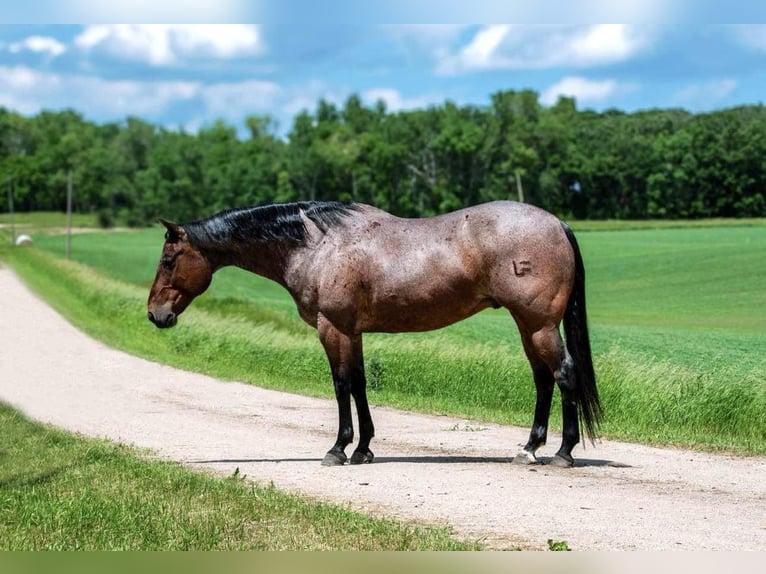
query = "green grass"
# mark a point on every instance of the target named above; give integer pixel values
(691, 297)
(46, 222)
(643, 224)
(65, 492)
(676, 321)
(694, 278)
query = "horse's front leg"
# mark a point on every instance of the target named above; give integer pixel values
(362, 453)
(347, 365)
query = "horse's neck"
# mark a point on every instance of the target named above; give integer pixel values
(266, 258)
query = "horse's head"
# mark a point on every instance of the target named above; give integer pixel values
(182, 274)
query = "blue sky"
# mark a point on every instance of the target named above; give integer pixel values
(190, 75)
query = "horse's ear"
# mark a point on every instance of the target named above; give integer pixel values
(175, 231)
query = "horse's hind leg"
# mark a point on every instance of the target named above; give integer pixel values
(570, 433)
(544, 383)
(550, 363)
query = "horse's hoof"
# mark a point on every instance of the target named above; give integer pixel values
(525, 457)
(360, 457)
(334, 459)
(561, 462)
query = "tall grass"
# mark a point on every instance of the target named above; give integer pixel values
(664, 403)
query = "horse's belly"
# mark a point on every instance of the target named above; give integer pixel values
(397, 315)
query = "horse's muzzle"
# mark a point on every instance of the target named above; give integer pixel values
(163, 321)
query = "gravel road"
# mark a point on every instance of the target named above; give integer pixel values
(433, 469)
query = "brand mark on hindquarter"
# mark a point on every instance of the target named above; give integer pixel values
(521, 268)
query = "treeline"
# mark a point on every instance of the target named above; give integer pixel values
(664, 163)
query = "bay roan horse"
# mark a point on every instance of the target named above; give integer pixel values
(353, 269)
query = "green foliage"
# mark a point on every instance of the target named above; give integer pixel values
(63, 492)
(374, 371)
(662, 164)
(558, 545)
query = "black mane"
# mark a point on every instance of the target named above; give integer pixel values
(278, 222)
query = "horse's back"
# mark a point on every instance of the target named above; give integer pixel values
(481, 237)
(508, 220)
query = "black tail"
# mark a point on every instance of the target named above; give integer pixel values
(578, 345)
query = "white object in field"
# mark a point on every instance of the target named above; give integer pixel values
(23, 240)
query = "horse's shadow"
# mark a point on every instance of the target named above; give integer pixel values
(543, 461)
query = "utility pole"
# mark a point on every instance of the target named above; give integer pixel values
(10, 209)
(68, 213)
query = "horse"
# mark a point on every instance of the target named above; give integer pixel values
(352, 269)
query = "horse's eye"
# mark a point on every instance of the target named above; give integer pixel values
(168, 261)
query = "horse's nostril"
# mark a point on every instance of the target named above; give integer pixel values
(163, 321)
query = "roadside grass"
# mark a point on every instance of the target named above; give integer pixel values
(246, 329)
(64, 492)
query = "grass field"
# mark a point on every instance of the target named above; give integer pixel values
(61, 492)
(46, 222)
(676, 320)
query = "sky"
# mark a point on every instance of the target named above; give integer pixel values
(189, 76)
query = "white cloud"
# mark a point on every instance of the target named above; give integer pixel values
(20, 78)
(481, 52)
(605, 43)
(582, 89)
(394, 100)
(29, 91)
(752, 35)
(436, 40)
(508, 47)
(238, 100)
(26, 90)
(39, 44)
(138, 97)
(298, 104)
(306, 96)
(705, 95)
(163, 44)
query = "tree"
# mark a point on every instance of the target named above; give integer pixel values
(664, 163)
